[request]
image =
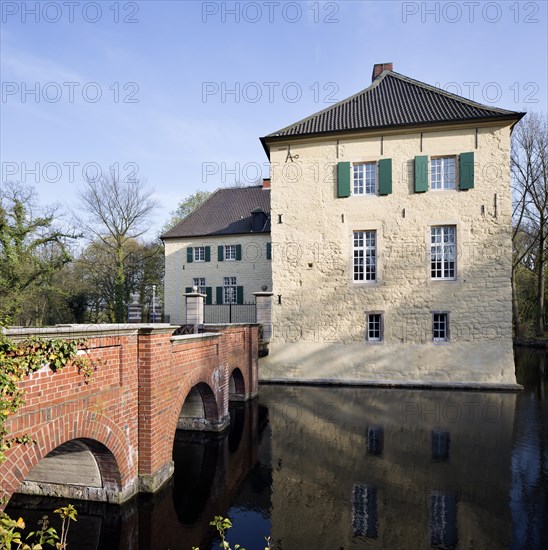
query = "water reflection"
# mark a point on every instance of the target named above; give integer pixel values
(331, 468)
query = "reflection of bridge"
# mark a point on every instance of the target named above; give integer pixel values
(114, 437)
(211, 469)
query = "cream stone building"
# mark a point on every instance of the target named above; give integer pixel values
(391, 240)
(222, 248)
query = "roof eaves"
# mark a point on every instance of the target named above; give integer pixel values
(512, 115)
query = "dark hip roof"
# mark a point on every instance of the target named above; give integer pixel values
(227, 211)
(392, 100)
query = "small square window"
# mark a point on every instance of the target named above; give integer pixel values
(199, 253)
(440, 327)
(230, 252)
(375, 327)
(375, 440)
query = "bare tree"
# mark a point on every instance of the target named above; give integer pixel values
(116, 213)
(529, 162)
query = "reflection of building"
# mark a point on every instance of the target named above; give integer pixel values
(391, 232)
(222, 248)
(388, 468)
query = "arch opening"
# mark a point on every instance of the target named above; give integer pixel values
(236, 386)
(200, 411)
(82, 469)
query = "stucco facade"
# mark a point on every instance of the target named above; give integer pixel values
(252, 271)
(319, 312)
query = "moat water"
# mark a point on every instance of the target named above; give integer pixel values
(340, 468)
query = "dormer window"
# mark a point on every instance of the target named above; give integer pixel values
(258, 220)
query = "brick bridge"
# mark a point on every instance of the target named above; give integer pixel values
(114, 437)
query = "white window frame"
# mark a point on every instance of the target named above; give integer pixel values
(360, 181)
(443, 249)
(437, 318)
(362, 250)
(443, 183)
(374, 323)
(230, 291)
(199, 253)
(232, 256)
(199, 282)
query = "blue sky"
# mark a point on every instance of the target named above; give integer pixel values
(179, 92)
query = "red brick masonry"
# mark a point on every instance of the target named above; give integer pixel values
(128, 413)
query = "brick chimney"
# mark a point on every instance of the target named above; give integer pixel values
(266, 183)
(378, 68)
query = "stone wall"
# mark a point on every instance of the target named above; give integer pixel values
(319, 312)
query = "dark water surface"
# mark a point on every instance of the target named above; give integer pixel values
(331, 468)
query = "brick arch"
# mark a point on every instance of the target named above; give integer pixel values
(102, 437)
(237, 383)
(198, 376)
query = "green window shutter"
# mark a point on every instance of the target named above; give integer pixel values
(208, 253)
(466, 171)
(343, 179)
(421, 174)
(189, 255)
(219, 292)
(209, 295)
(269, 251)
(238, 252)
(188, 289)
(220, 253)
(239, 294)
(385, 176)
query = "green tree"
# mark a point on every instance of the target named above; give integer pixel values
(184, 208)
(32, 250)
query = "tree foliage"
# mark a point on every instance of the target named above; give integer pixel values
(529, 163)
(32, 248)
(185, 207)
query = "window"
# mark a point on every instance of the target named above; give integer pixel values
(375, 440)
(443, 252)
(443, 520)
(199, 282)
(230, 252)
(374, 327)
(440, 445)
(199, 253)
(365, 256)
(229, 290)
(442, 173)
(440, 327)
(364, 511)
(365, 178)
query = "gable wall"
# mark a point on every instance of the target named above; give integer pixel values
(322, 308)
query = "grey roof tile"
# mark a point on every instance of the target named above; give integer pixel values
(392, 100)
(228, 211)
